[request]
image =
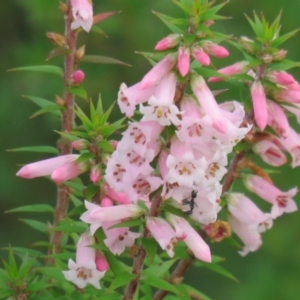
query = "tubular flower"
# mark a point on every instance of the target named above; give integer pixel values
(83, 14)
(183, 64)
(84, 270)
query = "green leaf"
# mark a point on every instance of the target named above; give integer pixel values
(39, 149)
(284, 65)
(150, 246)
(159, 283)
(85, 157)
(88, 125)
(13, 268)
(167, 20)
(278, 41)
(114, 264)
(45, 110)
(37, 225)
(218, 269)
(52, 272)
(91, 191)
(41, 102)
(192, 291)
(33, 208)
(77, 202)
(121, 279)
(24, 251)
(104, 117)
(106, 146)
(112, 128)
(78, 91)
(160, 269)
(78, 210)
(98, 59)
(25, 267)
(70, 226)
(42, 69)
(129, 223)
(183, 7)
(98, 30)
(206, 72)
(68, 136)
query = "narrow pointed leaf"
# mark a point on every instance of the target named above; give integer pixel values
(98, 59)
(41, 102)
(284, 38)
(114, 263)
(195, 293)
(39, 149)
(100, 17)
(68, 136)
(45, 110)
(103, 119)
(161, 269)
(52, 272)
(78, 91)
(98, 30)
(42, 69)
(106, 146)
(284, 65)
(91, 191)
(120, 280)
(218, 269)
(167, 21)
(37, 225)
(185, 8)
(110, 129)
(150, 246)
(32, 208)
(159, 283)
(129, 223)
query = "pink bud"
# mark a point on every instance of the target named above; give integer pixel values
(170, 41)
(281, 77)
(45, 167)
(208, 23)
(121, 198)
(259, 104)
(279, 55)
(200, 56)
(183, 64)
(106, 201)
(95, 174)
(237, 68)
(161, 69)
(215, 50)
(114, 144)
(77, 77)
(101, 263)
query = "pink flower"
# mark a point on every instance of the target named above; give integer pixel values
(249, 235)
(129, 97)
(245, 211)
(291, 94)
(77, 77)
(161, 69)
(259, 104)
(277, 119)
(208, 102)
(117, 239)
(121, 198)
(84, 270)
(97, 215)
(83, 14)
(183, 64)
(46, 167)
(282, 201)
(237, 68)
(215, 50)
(191, 237)
(162, 233)
(168, 42)
(201, 56)
(270, 153)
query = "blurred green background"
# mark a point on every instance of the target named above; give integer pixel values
(273, 272)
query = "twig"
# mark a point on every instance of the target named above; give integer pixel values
(67, 124)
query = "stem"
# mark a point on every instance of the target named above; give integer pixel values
(67, 125)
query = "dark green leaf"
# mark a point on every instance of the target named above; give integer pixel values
(40, 149)
(43, 68)
(25, 267)
(284, 65)
(112, 128)
(192, 291)
(160, 269)
(70, 227)
(97, 59)
(85, 157)
(88, 125)
(91, 191)
(167, 20)
(98, 30)
(52, 272)
(278, 41)
(106, 146)
(33, 208)
(159, 283)
(114, 264)
(121, 279)
(77, 202)
(68, 136)
(185, 8)
(218, 269)
(78, 210)
(150, 246)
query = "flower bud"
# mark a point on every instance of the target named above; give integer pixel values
(267, 58)
(168, 42)
(208, 23)
(63, 7)
(215, 50)
(183, 64)
(80, 53)
(279, 55)
(201, 56)
(95, 174)
(248, 44)
(77, 77)
(81, 144)
(56, 39)
(60, 101)
(101, 263)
